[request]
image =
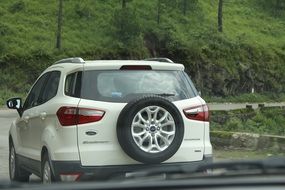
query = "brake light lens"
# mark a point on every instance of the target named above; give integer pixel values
(136, 67)
(89, 115)
(199, 113)
(73, 116)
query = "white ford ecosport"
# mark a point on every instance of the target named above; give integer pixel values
(96, 119)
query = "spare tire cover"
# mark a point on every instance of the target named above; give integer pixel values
(150, 129)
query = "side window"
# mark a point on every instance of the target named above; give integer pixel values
(51, 87)
(73, 84)
(34, 94)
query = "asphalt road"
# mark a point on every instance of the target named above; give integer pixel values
(6, 117)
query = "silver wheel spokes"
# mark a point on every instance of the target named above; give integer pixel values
(12, 162)
(153, 129)
(47, 173)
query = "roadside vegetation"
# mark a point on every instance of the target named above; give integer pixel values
(246, 50)
(220, 154)
(262, 121)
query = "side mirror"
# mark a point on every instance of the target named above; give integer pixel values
(15, 103)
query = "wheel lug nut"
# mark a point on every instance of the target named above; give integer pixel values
(147, 129)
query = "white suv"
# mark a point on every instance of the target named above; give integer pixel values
(97, 119)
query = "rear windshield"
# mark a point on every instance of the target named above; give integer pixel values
(125, 85)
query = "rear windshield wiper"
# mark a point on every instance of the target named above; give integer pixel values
(165, 94)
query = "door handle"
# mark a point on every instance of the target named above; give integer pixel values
(43, 115)
(26, 119)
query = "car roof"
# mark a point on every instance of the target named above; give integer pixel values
(117, 64)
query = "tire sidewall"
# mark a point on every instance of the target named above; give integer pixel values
(20, 175)
(12, 177)
(44, 161)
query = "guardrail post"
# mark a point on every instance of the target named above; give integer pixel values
(248, 106)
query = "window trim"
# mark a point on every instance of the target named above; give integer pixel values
(42, 88)
(191, 84)
(111, 100)
(76, 84)
(32, 88)
(46, 82)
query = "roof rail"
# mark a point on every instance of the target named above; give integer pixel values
(160, 59)
(71, 60)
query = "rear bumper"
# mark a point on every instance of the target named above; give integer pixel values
(105, 172)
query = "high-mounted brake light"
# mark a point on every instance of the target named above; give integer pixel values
(73, 116)
(136, 67)
(199, 113)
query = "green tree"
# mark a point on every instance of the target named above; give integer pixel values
(188, 5)
(124, 3)
(127, 32)
(59, 24)
(158, 11)
(220, 16)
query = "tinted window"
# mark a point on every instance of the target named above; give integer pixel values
(51, 87)
(72, 84)
(191, 84)
(32, 99)
(123, 86)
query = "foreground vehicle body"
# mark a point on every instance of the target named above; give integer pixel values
(240, 174)
(94, 119)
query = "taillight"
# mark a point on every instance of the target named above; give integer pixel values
(67, 116)
(199, 113)
(73, 116)
(89, 115)
(68, 177)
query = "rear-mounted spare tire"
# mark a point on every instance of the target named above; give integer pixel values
(150, 129)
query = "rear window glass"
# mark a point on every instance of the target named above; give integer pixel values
(123, 86)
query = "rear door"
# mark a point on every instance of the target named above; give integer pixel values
(25, 121)
(41, 112)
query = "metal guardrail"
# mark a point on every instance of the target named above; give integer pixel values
(230, 106)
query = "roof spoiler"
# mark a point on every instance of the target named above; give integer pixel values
(159, 59)
(71, 60)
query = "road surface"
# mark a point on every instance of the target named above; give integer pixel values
(6, 118)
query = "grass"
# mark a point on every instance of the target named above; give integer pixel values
(264, 121)
(250, 51)
(220, 155)
(5, 94)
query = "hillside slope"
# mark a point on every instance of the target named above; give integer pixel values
(249, 53)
